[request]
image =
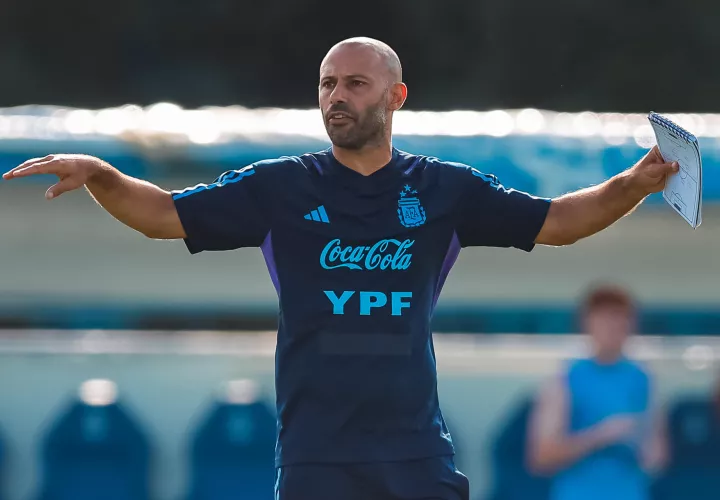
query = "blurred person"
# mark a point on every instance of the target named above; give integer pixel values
(595, 427)
(358, 239)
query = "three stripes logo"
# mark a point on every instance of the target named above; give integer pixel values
(318, 215)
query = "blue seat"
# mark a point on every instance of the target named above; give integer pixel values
(511, 478)
(233, 453)
(694, 438)
(2, 466)
(93, 453)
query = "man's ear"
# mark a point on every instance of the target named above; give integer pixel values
(398, 95)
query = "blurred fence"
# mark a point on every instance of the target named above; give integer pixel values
(169, 382)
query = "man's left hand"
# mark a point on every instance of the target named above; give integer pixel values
(651, 172)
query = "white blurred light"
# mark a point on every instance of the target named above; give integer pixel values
(20, 126)
(411, 122)
(240, 123)
(436, 123)
(210, 125)
(563, 124)
(614, 128)
(41, 127)
(242, 392)
(4, 126)
(80, 121)
(202, 127)
(297, 122)
(587, 124)
(712, 125)
(464, 123)
(264, 122)
(56, 128)
(530, 121)
(644, 136)
(403, 122)
(112, 121)
(60, 113)
(699, 126)
(164, 117)
(132, 108)
(134, 115)
(685, 121)
(698, 357)
(424, 124)
(500, 123)
(616, 140)
(98, 392)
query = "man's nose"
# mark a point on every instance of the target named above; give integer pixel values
(338, 95)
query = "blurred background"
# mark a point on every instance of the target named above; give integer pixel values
(122, 357)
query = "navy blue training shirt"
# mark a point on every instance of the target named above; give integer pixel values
(358, 263)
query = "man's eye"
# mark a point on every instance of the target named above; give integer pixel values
(357, 83)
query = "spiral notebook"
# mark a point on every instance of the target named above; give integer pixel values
(683, 191)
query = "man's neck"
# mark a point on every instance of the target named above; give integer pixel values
(365, 161)
(607, 358)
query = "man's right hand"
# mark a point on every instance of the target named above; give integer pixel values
(617, 429)
(72, 170)
(136, 203)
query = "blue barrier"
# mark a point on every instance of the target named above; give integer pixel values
(527, 318)
(542, 165)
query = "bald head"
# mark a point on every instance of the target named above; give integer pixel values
(360, 88)
(384, 57)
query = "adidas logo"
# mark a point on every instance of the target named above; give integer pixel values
(318, 215)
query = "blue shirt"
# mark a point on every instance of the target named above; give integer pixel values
(598, 391)
(358, 263)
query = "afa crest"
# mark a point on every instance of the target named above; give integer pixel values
(410, 212)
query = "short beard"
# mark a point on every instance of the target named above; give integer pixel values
(369, 129)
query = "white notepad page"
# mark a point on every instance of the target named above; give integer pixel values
(683, 191)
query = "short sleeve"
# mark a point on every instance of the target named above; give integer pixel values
(493, 216)
(224, 215)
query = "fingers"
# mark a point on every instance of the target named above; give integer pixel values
(9, 173)
(653, 156)
(47, 165)
(661, 166)
(52, 166)
(61, 187)
(672, 167)
(659, 170)
(658, 155)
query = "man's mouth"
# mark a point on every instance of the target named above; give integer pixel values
(338, 117)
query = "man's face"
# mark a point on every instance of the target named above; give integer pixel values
(353, 96)
(609, 327)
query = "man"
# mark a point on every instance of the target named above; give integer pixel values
(358, 240)
(595, 426)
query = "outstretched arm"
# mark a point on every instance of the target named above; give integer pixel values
(583, 213)
(138, 204)
(224, 215)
